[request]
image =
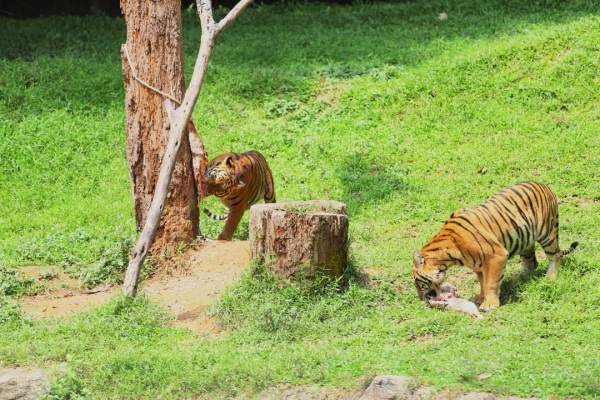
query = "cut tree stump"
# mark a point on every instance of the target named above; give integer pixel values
(303, 238)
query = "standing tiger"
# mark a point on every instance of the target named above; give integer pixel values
(239, 181)
(483, 238)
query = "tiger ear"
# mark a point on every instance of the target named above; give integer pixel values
(229, 162)
(418, 259)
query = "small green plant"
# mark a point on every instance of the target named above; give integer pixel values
(48, 275)
(9, 310)
(65, 385)
(278, 108)
(56, 248)
(12, 283)
(110, 267)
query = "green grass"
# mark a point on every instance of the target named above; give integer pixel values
(380, 106)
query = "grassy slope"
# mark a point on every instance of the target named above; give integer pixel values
(380, 106)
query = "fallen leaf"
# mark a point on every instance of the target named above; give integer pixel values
(482, 171)
(484, 376)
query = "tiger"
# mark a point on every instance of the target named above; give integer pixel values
(239, 180)
(483, 238)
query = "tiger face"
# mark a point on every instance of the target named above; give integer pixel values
(427, 276)
(221, 177)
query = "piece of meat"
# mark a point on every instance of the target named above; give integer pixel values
(456, 304)
(448, 288)
(448, 298)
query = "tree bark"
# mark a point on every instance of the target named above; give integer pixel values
(302, 238)
(153, 52)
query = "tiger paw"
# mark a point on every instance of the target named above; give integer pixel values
(477, 299)
(489, 305)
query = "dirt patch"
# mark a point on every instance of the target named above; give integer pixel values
(187, 290)
(585, 202)
(330, 92)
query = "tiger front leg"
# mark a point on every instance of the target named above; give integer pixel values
(481, 296)
(231, 224)
(492, 275)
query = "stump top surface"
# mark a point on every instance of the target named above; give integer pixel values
(305, 207)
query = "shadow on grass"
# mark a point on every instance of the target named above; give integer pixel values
(270, 50)
(512, 288)
(366, 181)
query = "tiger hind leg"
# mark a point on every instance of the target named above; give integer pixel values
(528, 260)
(554, 261)
(549, 242)
(553, 253)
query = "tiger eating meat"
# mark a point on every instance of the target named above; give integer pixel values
(483, 238)
(239, 180)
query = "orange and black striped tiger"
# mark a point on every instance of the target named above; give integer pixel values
(239, 180)
(483, 238)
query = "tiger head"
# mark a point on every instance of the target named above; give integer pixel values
(221, 176)
(427, 276)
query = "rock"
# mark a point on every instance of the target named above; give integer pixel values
(387, 387)
(477, 396)
(422, 393)
(279, 392)
(383, 387)
(22, 383)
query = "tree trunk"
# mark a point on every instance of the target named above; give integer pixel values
(153, 52)
(300, 238)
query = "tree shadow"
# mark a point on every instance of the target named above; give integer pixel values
(366, 181)
(343, 42)
(271, 50)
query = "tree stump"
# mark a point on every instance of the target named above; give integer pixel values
(303, 238)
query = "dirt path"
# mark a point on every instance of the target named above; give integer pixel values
(205, 270)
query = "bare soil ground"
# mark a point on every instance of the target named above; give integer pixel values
(187, 289)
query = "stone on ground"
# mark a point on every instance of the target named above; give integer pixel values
(22, 383)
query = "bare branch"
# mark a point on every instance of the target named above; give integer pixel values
(232, 15)
(170, 109)
(135, 76)
(204, 8)
(199, 154)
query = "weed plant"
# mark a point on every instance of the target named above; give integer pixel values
(400, 115)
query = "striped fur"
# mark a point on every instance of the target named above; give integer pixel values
(483, 238)
(214, 216)
(239, 180)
